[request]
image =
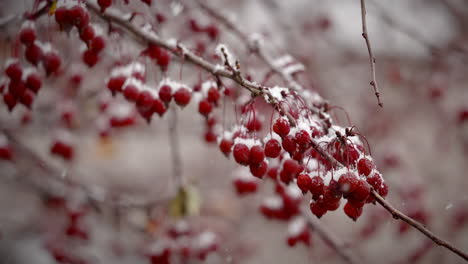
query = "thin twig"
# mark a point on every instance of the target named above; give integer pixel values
(365, 35)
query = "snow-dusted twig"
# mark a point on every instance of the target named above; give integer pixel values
(183, 53)
(365, 35)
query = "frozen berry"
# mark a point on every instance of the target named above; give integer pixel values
(27, 36)
(352, 212)
(165, 93)
(256, 155)
(365, 166)
(33, 54)
(281, 127)
(131, 93)
(348, 183)
(90, 58)
(33, 82)
(204, 107)
(182, 96)
(225, 146)
(272, 148)
(317, 209)
(241, 153)
(259, 169)
(9, 100)
(213, 95)
(87, 33)
(51, 63)
(14, 71)
(104, 4)
(115, 83)
(304, 182)
(97, 44)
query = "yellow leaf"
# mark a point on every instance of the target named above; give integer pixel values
(187, 202)
(53, 7)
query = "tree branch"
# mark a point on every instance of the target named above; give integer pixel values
(256, 89)
(365, 35)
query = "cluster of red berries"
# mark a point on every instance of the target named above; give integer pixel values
(63, 148)
(73, 230)
(354, 183)
(211, 30)
(77, 16)
(183, 243)
(22, 85)
(161, 56)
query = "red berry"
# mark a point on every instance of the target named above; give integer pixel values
(213, 95)
(316, 187)
(165, 93)
(159, 107)
(245, 187)
(115, 83)
(259, 169)
(318, 209)
(16, 89)
(383, 190)
(33, 54)
(131, 93)
(361, 193)
(61, 15)
(9, 100)
(148, 2)
(212, 31)
(87, 33)
(352, 212)
(5, 152)
(97, 44)
(51, 63)
(303, 139)
(256, 155)
(153, 51)
(304, 182)
(375, 180)
(27, 98)
(33, 82)
(225, 146)
(291, 167)
(281, 127)
(14, 71)
(204, 107)
(272, 148)
(79, 16)
(163, 60)
(210, 136)
(90, 58)
(365, 166)
(145, 100)
(241, 154)
(348, 183)
(104, 4)
(27, 36)
(182, 96)
(289, 144)
(350, 154)
(254, 124)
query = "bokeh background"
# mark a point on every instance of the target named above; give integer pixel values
(419, 139)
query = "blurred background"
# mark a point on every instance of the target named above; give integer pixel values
(125, 178)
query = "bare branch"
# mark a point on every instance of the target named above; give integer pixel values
(365, 35)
